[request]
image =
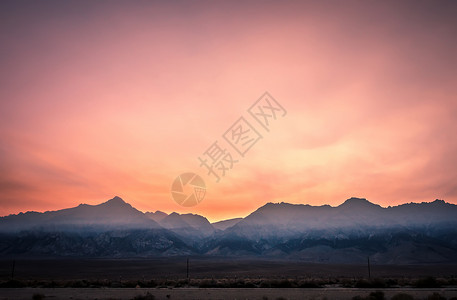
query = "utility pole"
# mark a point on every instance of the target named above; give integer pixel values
(187, 269)
(12, 270)
(369, 271)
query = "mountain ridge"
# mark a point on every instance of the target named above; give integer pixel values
(410, 233)
(116, 200)
(124, 213)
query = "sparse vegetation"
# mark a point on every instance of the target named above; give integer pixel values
(378, 295)
(428, 282)
(148, 296)
(281, 288)
(374, 283)
(246, 282)
(13, 284)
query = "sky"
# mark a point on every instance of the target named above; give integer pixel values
(106, 98)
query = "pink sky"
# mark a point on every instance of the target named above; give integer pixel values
(99, 99)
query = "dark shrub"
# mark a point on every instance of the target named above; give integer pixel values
(402, 296)
(80, 284)
(362, 284)
(429, 282)
(378, 295)
(38, 297)
(281, 284)
(13, 284)
(347, 283)
(436, 296)
(367, 284)
(148, 296)
(308, 284)
(206, 283)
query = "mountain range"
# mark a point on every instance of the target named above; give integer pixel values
(405, 234)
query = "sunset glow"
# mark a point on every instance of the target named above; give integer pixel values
(99, 99)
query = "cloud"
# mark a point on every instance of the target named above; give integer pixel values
(101, 100)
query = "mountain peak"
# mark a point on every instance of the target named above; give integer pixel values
(116, 201)
(357, 202)
(439, 202)
(278, 204)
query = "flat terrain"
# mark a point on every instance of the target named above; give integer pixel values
(175, 268)
(129, 278)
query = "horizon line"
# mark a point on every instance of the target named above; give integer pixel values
(269, 202)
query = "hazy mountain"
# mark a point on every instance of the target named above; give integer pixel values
(224, 224)
(198, 222)
(348, 233)
(114, 213)
(156, 216)
(285, 220)
(188, 225)
(112, 243)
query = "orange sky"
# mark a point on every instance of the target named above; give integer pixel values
(99, 99)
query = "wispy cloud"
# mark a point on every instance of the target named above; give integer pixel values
(103, 99)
